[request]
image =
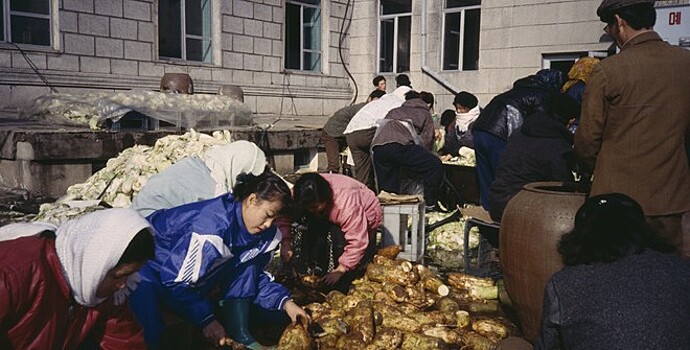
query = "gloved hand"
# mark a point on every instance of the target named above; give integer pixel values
(331, 278)
(215, 333)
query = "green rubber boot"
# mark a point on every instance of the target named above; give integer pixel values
(234, 316)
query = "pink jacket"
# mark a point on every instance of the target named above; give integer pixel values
(356, 210)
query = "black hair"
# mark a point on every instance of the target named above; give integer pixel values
(403, 80)
(609, 227)
(376, 94)
(377, 79)
(411, 94)
(447, 117)
(311, 189)
(139, 249)
(427, 97)
(638, 16)
(267, 186)
(466, 99)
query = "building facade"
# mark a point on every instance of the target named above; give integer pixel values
(287, 55)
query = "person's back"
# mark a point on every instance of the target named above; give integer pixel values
(645, 113)
(539, 151)
(639, 302)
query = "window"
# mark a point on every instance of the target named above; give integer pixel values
(184, 30)
(461, 34)
(303, 35)
(564, 61)
(395, 22)
(26, 21)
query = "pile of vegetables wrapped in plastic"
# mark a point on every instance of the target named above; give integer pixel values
(125, 175)
(402, 305)
(93, 109)
(445, 246)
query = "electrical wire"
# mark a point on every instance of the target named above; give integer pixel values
(343, 34)
(34, 68)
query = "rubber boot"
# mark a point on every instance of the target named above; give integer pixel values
(234, 316)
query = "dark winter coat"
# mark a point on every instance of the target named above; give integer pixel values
(639, 302)
(540, 151)
(452, 142)
(506, 112)
(416, 114)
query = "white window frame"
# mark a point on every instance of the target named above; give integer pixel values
(214, 38)
(461, 35)
(395, 17)
(52, 17)
(320, 30)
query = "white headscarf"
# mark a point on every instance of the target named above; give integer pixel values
(228, 161)
(88, 247)
(463, 120)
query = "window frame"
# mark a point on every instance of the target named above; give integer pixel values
(302, 51)
(53, 25)
(462, 10)
(214, 38)
(396, 26)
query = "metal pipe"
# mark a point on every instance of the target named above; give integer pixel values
(426, 69)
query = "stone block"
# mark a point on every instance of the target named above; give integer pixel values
(5, 96)
(123, 28)
(272, 2)
(233, 25)
(243, 44)
(5, 59)
(146, 32)
(138, 51)
(225, 41)
(221, 75)
(124, 67)
(106, 47)
(68, 22)
(112, 8)
(262, 46)
(150, 69)
(271, 64)
(253, 62)
(63, 62)
(272, 31)
(199, 74)
(278, 14)
(21, 95)
(253, 27)
(262, 78)
(78, 5)
(138, 10)
(242, 8)
(18, 60)
(94, 64)
(93, 25)
(79, 44)
(232, 60)
(277, 48)
(243, 77)
(263, 12)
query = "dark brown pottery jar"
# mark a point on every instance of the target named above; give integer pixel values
(533, 222)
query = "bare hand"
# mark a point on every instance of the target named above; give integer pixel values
(294, 311)
(446, 157)
(215, 333)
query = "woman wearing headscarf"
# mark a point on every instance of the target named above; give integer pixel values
(63, 285)
(197, 178)
(577, 80)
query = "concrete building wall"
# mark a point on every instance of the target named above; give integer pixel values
(113, 45)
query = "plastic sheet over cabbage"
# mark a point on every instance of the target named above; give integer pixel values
(182, 111)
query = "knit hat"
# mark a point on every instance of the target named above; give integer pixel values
(403, 80)
(465, 99)
(607, 7)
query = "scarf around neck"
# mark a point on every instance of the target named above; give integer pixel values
(463, 120)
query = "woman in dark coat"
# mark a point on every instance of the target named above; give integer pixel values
(621, 288)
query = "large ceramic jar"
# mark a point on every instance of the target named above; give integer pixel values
(532, 223)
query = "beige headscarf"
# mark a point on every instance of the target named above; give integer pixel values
(228, 161)
(88, 247)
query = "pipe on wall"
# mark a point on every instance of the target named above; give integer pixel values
(426, 69)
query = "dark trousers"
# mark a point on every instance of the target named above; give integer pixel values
(360, 147)
(393, 158)
(334, 145)
(488, 149)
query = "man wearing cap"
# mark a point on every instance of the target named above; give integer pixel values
(636, 120)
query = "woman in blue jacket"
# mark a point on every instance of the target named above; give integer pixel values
(210, 256)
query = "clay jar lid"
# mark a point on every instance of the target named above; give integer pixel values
(179, 83)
